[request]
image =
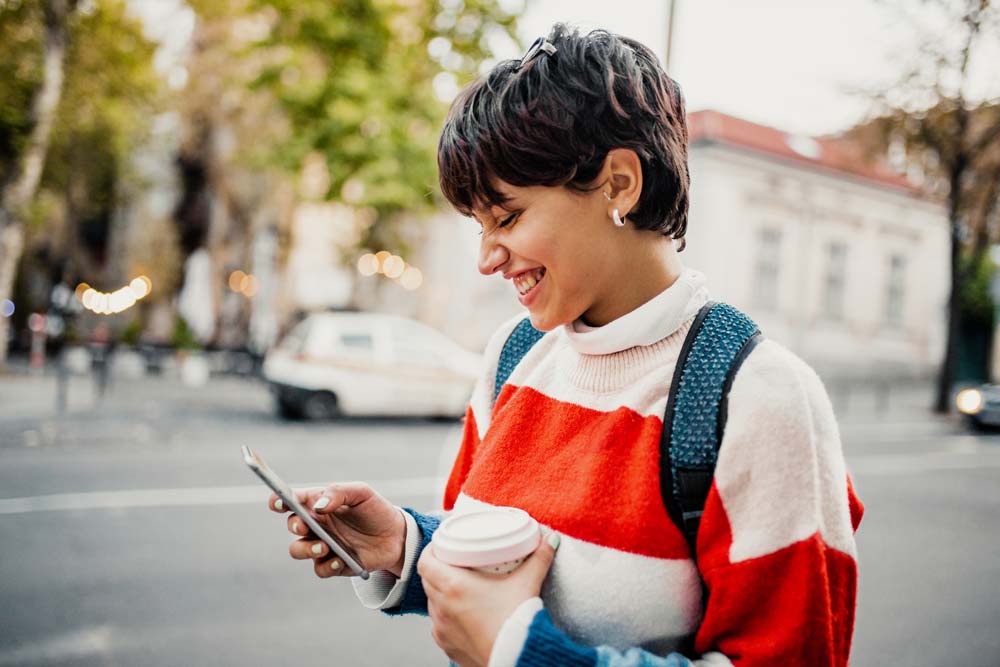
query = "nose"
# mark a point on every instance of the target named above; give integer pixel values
(492, 256)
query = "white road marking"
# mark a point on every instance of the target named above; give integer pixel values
(81, 643)
(218, 495)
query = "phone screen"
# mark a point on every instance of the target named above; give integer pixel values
(287, 496)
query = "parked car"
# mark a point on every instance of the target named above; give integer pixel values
(980, 405)
(353, 363)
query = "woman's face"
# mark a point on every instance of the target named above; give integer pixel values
(557, 248)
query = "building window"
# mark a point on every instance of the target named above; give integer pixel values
(895, 290)
(833, 283)
(768, 261)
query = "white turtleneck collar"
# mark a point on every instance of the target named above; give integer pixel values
(652, 321)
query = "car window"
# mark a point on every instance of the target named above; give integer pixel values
(295, 341)
(357, 341)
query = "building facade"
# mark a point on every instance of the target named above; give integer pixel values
(843, 262)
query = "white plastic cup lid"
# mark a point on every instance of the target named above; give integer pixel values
(486, 537)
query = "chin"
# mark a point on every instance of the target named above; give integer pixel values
(543, 323)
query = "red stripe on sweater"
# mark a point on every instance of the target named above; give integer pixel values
(792, 607)
(561, 463)
(463, 461)
(857, 507)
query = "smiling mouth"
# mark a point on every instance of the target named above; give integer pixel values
(527, 281)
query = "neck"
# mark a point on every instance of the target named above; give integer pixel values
(645, 269)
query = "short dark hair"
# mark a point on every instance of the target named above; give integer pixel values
(553, 121)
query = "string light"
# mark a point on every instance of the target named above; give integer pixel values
(391, 266)
(112, 303)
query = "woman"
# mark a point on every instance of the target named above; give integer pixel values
(574, 162)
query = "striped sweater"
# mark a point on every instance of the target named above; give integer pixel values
(573, 439)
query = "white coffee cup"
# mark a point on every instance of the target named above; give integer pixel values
(495, 540)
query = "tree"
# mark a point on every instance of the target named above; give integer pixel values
(25, 155)
(953, 141)
(78, 89)
(365, 84)
(278, 88)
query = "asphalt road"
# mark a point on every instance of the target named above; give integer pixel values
(132, 534)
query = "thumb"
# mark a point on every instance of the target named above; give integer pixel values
(338, 498)
(541, 560)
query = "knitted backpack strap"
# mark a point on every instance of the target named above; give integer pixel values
(521, 339)
(719, 340)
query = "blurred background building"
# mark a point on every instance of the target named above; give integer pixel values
(259, 163)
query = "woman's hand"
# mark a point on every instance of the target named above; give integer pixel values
(356, 515)
(468, 608)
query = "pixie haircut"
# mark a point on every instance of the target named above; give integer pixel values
(553, 119)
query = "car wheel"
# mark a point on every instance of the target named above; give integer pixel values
(320, 406)
(287, 410)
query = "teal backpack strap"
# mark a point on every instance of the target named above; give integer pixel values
(521, 339)
(719, 340)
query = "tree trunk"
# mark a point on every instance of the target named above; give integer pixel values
(21, 190)
(946, 377)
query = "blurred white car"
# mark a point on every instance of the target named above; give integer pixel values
(352, 363)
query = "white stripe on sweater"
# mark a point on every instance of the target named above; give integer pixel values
(599, 595)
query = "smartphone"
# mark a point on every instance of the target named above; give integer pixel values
(287, 496)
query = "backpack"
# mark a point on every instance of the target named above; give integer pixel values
(720, 339)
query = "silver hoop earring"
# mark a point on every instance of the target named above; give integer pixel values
(619, 221)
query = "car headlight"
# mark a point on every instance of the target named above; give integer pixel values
(969, 401)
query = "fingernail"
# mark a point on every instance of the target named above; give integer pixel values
(321, 503)
(554, 540)
(335, 565)
(278, 505)
(317, 549)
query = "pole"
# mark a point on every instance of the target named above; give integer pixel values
(672, 4)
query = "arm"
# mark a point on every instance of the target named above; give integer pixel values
(776, 546)
(403, 595)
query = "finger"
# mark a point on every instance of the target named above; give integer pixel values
(333, 567)
(341, 497)
(305, 549)
(297, 526)
(540, 562)
(275, 505)
(304, 496)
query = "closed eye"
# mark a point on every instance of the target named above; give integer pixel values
(503, 223)
(506, 221)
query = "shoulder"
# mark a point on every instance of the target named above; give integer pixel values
(775, 383)
(781, 470)
(481, 401)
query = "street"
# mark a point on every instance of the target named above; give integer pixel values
(131, 533)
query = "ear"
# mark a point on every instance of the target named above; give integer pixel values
(624, 180)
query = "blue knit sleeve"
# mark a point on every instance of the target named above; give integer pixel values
(547, 646)
(415, 599)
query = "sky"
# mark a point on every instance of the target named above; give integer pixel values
(790, 64)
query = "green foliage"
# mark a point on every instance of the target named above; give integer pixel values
(355, 82)
(182, 338)
(975, 301)
(108, 95)
(107, 100)
(132, 332)
(20, 75)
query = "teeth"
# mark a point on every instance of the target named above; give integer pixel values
(525, 282)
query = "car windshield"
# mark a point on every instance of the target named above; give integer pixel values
(296, 339)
